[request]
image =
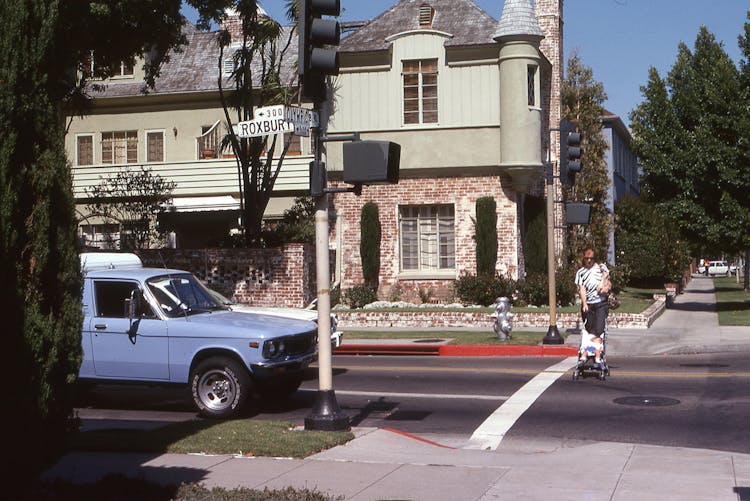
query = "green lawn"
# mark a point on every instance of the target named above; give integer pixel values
(241, 436)
(732, 303)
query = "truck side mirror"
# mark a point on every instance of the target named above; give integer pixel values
(132, 307)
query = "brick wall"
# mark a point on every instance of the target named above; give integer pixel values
(549, 14)
(279, 276)
(474, 319)
(460, 191)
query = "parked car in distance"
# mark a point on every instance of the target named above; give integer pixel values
(337, 336)
(719, 268)
(163, 326)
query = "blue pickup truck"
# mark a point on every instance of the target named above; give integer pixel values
(154, 325)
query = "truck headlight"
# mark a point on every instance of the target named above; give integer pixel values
(273, 348)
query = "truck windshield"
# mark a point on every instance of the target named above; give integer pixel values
(183, 294)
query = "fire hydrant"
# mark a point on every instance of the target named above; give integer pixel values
(502, 317)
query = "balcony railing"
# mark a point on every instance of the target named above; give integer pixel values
(198, 178)
(209, 142)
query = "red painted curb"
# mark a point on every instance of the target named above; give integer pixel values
(458, 350)
(507, 351)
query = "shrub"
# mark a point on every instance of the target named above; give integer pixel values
(359, 295)
(486, 235)
(483, 289)
(425, 295)
(648, 244)
(397, 292)
(369, 246)
(534, 289)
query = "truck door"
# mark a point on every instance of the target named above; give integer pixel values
(117, 353)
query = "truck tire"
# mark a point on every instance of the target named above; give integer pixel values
(220, 387)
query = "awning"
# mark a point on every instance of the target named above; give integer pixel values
(274, 210)
(203, 204)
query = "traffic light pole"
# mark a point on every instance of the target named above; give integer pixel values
(553, 335)
(326, 414)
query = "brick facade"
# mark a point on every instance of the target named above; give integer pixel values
(279, 276)
(549, 14)
(462, 193)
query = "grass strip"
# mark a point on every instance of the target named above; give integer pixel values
(457, 337)
(732, 302)
(243, 436)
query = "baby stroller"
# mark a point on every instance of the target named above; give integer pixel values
(587, 365)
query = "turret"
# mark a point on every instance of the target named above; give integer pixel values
(518, 34)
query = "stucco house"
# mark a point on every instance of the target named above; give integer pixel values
(470, 99)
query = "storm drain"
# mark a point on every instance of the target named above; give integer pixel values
(429, 340)
(647, 401)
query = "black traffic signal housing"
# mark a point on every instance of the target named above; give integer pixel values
(314, 60)
(570, 152)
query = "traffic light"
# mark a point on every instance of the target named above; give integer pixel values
(570, 152)
(315, 61)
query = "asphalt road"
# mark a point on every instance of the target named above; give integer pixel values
(691, 401)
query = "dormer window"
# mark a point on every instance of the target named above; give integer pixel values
(426, 13)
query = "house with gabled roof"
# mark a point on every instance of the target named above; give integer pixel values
(470, 99)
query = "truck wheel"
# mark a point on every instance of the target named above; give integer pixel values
(220, 387)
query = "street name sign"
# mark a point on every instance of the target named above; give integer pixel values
(278, 119)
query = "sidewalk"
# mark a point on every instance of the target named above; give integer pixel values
(387, 464)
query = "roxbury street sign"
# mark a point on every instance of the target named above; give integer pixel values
(277, 119)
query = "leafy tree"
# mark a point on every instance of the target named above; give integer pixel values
(132, 200)
(42, 43)
(689, 135)
(369, 246)
(582, 100)
(297, 225)
(259, 58)
(486, 235)
(743, 122)
(649, 249)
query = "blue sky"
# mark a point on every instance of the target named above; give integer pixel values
(618, 39)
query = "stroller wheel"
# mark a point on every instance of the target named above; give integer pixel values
(602, 376)
(575, 375)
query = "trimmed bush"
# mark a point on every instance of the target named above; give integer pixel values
(535, 235)
(483, 289)
(359, 296)
(486, 235)
(369, 246)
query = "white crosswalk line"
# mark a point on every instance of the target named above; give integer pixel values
(491, 432)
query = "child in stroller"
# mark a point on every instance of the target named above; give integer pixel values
(592, 356)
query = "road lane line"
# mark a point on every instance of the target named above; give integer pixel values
(491, 432)
(378, 394)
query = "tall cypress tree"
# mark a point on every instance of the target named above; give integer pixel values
(39, 267)
(486, 235)
(582, 100)
(369, 245)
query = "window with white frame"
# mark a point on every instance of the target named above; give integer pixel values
(89, 66)
(420, 91)
(120, 147)
(428, 237)
(155, 146)
(85, 149)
